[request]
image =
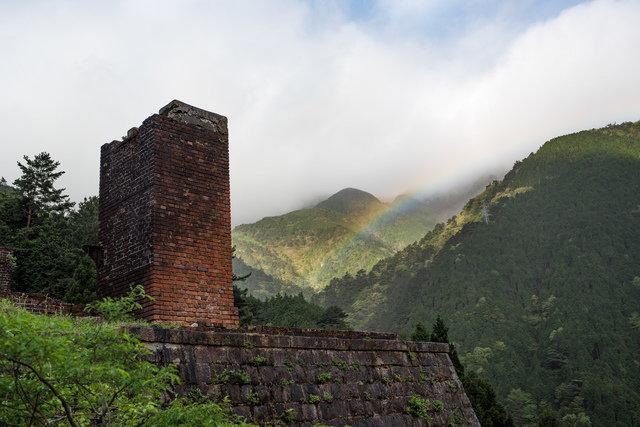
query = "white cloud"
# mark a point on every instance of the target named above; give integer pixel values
(316, 101)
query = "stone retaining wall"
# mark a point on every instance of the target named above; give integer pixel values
(337, 382)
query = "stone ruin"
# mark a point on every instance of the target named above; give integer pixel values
(165, 217)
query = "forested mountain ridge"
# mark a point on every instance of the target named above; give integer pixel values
(539, 278)
(351, 230)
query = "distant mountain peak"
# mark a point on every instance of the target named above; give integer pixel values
(351, 201)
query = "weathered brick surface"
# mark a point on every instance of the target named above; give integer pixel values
(165, 217)
(5, 268)
(370, 384)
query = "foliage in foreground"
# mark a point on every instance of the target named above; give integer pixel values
(60, 371)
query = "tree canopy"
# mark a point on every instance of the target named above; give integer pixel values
(47, 234)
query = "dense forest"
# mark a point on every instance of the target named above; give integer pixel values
(540, 278)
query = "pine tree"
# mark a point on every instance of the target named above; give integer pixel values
(420, 333)
(36, 185)
(440, 334)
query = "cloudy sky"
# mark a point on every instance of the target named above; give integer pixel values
(388, 96)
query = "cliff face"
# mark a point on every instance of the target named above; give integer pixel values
(304, 380)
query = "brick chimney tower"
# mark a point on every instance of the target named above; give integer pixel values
(165, 217)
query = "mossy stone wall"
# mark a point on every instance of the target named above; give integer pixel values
(337, 382)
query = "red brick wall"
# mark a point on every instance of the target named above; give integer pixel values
(5, 269)
(165, 217)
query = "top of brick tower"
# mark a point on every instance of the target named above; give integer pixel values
(186, 113)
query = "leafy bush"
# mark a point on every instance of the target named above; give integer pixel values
(58, 371)
(324, 377)
(231, 377)
(284, 382)
(253, 399)
(340, 364)
(288, 416)
(259, 361)
(121, 309)
(418, 408)
(182, 412)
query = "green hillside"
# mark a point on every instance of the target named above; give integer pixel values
(538, 278)
(350, 231)
(308, 247)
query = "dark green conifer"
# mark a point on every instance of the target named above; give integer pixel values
(440, 334)
(490, 412)
(36, 185)
(420, 333)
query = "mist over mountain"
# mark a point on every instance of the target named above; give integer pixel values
(349, 231)
(538, 277)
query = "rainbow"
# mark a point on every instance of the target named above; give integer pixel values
(434, 184)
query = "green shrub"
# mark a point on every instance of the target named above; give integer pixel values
(185, 414)
(418, 408)
(324, 377)
(288, 416)
(259, 361)
(253, 399)
(58, 371)
(238, 377)
(340, 364)
(284, 382)
(230, 377)
(119, 310)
